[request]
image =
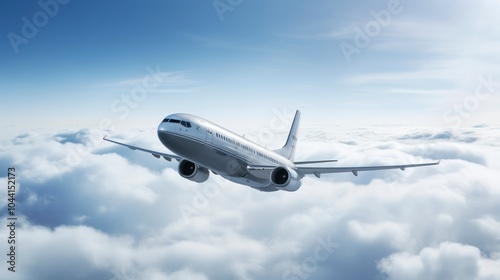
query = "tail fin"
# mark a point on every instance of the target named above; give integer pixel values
(288, 150)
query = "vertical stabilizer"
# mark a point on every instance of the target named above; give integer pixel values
(288, 150)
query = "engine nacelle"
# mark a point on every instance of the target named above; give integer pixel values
(193, 171)
(285, 179)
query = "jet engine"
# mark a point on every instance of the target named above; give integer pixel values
(193, 171)
(285, 179)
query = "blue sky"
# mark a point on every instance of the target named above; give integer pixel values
(256, 56)
(361, 72)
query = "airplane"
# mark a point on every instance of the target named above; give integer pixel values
(201, 146)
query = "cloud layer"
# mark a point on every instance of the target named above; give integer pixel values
(89, 209)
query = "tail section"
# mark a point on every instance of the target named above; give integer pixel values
(288, 150)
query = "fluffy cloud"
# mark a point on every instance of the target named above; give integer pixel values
(446, 261)
(90, 209)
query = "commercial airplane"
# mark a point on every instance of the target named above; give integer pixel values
(201, 146)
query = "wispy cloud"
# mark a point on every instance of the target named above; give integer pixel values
(428, 53)
(165, 82)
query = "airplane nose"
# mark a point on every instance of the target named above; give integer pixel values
(164, 132)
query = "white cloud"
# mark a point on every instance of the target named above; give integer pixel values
(447, 261)
(387, 232)
(489, 225)
(117, 213)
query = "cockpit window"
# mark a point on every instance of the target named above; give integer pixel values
(186, 124)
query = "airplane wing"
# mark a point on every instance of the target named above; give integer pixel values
(317, 171)
(315, 161)
(156, 154)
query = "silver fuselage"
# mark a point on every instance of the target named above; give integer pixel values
(220, 150)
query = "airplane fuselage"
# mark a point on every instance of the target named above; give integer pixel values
(219, 150)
